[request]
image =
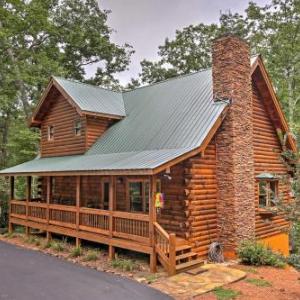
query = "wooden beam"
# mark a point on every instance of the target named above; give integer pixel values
(152, 219)
(28, 198)
(48, 197)
(77, 207)
(112, 207)
(11, 197)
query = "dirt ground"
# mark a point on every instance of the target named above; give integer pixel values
(284, 284)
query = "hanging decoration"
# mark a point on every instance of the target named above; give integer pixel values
(159, 201)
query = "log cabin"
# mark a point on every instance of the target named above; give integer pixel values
(166, 169)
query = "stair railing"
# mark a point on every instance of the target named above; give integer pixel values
(165, 246)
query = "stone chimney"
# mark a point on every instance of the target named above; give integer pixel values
(234, 142)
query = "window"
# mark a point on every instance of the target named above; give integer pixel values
(77, 127)
(50, 133)
(268, 193)
(105, 194)
(139, 195)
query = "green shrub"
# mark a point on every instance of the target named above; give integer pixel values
(225, 294)
(46, 244)
(76, 252)
(57, 246)
(91, 256)
(294, 260)
(254, 253)
(123, 264)
(258, 282)
(32, 240)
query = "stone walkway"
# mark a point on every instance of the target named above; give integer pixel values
(186, 286)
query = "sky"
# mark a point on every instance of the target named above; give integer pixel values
(144, 24)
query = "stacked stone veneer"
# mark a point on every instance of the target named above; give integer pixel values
(234, 143)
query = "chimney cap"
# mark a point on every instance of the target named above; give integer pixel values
(229, 35)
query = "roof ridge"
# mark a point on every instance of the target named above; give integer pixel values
(88, 84)
(168, 79)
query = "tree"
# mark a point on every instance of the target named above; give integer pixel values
(272, 30)
(39, 38)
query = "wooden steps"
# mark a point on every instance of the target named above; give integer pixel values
(185, 258)
(189, 265)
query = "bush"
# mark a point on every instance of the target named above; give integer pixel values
(254, 253)
(294, 260)
(76, 252)
(57, 246)
(91, 256)
(123, 264)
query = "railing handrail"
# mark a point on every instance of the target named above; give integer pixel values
(94, 211)
(130, 215)
(20, 202)
(161, 230)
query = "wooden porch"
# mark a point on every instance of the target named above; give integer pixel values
(122, 229)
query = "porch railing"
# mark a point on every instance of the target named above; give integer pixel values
(125, 225)
(165, 246)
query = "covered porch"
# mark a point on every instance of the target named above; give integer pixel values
(118, 211)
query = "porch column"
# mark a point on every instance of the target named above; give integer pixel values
(77, 208)
(11, 197)
(112, 207)
(28, 198)
(48, 197)
(152, 219)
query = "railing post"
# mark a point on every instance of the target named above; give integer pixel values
(172, 254)
(77, 208)
(152, 219)
(112, 207)
(11, 197)
(48, 197)
(28, 198)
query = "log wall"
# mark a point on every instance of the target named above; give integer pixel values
(267, 158)
(173, 216)
(62, 116)
(202, 199)
(95, 128)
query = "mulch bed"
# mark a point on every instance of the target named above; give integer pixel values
(285, 284)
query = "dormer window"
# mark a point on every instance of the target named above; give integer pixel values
(50, 133)
(77, 127)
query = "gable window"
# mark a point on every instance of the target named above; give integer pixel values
(139, 195)
(77, 127)
(268, 193)
(50, 133)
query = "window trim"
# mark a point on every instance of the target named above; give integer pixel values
(103, 182)
(144, 204)
(78, 126)
(268, 192)
(50, 133)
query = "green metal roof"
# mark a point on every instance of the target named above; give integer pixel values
(91, 98)
(163, 121)
(141, 160)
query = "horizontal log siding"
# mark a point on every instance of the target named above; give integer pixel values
(202, 199)
(173, 216)
(267, 151)
(62, 116)
(95, 128)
